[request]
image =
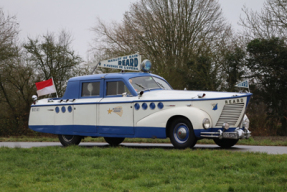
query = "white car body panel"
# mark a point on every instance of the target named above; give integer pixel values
(118, 116)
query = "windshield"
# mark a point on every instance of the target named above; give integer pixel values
(147, 83)
(162, 83)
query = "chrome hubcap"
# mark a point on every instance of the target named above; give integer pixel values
(181, 133)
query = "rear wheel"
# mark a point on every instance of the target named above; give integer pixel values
(225, 143)
(67, 140)
(114, 141)
(181, 134)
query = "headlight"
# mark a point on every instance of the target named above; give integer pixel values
(225, 126)
(206, 123)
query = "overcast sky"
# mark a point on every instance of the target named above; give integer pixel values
(36, 17)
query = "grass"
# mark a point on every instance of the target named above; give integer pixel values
(131, 169)
(263, 141)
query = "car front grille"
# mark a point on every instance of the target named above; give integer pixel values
(230, 114)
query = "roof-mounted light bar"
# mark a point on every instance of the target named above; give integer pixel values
(146, 65)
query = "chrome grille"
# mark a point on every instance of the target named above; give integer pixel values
(230, 114)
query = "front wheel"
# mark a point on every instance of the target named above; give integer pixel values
(225, 143)
(181, 134)
(114, 141)
(68, 140)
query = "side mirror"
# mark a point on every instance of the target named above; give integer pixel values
(201, 95)
(124, 94)
(141, 93)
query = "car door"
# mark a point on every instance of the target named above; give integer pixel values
(85, 111)
(116, 109)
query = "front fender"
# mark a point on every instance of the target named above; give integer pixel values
(160, 118)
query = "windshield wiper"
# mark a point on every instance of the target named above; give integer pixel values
(160, 85)
(141, 86)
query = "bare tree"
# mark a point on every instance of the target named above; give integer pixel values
(8, 51)
(8, 36)
(53, 57)
(18, 81)
(266, 33)
(270, 22)
(16, 84)
(169, 33)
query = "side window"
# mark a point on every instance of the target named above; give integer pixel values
(116, 88)
(91, 89)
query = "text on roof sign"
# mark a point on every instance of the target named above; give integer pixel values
(130, 62)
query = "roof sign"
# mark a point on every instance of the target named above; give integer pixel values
(243, 84)
(129, 62)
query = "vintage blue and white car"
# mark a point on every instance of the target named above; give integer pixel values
(140, 105)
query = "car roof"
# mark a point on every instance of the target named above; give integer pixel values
(72, 90)
(125, 75)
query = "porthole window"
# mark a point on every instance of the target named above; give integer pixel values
(160, 105)
(70, 109)
(63, 109)
(152, 105)
(137, 106)
(144, 106)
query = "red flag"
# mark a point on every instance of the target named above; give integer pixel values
(45, 87)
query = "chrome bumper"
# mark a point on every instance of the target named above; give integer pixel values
(237, 134)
